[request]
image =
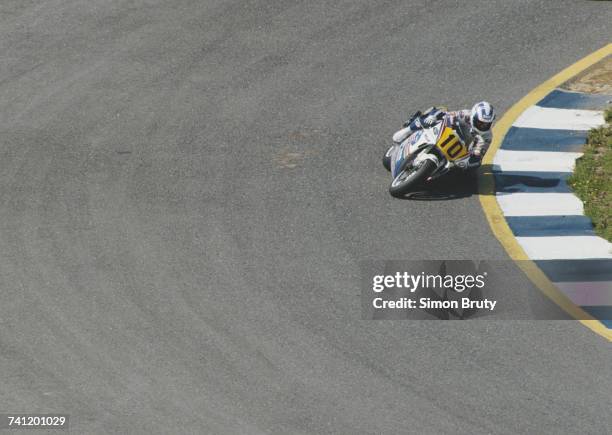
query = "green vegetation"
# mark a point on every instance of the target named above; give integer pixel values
(592, 178)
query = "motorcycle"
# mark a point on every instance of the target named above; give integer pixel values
(426, 155)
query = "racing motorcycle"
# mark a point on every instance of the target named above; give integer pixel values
(426, 155)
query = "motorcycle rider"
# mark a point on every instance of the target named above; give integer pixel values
(476, 123)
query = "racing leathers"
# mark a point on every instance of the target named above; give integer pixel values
(477, 142)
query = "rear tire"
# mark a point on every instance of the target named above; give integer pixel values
(410, 177)
(386, 160)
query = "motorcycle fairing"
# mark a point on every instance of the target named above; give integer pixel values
(410, 147)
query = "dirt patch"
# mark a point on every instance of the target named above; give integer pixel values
(595, 80)
(288, 160)
(300, 146)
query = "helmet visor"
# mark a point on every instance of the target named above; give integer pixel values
(481, 125)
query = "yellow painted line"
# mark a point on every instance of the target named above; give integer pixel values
(494, 214)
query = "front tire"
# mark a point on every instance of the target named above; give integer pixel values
(410, 177)
(386, 160)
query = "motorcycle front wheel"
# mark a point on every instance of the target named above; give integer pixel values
(411, 177)
(386, 160)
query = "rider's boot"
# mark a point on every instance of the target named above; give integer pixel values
(401, 135)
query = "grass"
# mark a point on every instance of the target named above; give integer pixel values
(592, 178)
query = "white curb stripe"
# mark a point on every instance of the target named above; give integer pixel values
(545, 161)
(559, 119)
(565, 247)
(539, 204)
(533, 193)
(587, 293)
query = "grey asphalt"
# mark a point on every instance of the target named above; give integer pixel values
(187, 190)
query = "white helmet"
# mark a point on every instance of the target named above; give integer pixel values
(483, 116)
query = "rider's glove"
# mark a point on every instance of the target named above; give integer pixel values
(474, 161)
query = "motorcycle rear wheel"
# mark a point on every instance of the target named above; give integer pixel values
(411, 177)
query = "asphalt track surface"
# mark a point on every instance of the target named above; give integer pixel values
(188, 187)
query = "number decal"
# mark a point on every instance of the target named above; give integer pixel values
(448, 140)
(450, 145)
(454, 150)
